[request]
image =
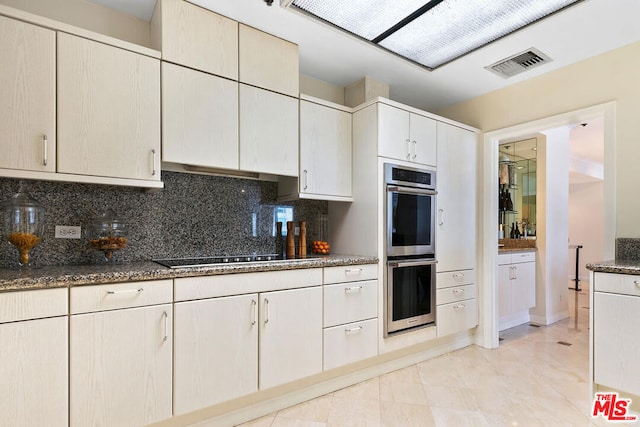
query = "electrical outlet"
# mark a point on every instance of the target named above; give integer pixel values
(68, 231)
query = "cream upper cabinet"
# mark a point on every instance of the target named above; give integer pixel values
(108, 111)
(34, 363)
(325, 150)
(407, 136)
(196, 37)
(268, 62)
(27, 96)
(199, 118)
(268, 132)
(456, 199)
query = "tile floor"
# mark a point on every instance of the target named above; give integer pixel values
(531, 380)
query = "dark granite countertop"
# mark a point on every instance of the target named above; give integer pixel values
(619, 266)
(76, 275)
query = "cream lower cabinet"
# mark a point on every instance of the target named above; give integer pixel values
(199, 118)
(456, 302)
(27, 96)
(34, 358)
(268, 132)
(516, 288)
(108, 111)
(350, 314)
(216, 351)
(616, 327)
(121, 359)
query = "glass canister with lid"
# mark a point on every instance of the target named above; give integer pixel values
(108, 233)
(23, 219)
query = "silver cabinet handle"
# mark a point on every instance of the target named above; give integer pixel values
(441, 215)
(353, 289)
(128, 291)
(415, 149)
(254, 306)
(166, 326)
(458, 275)
(459, 306)
(408, 141)
(45, 150)
(355, 330)
(458, 291)
(266, 311)
(353, 271)
(636, 282)
(306, 181)
(153, 160)
(515, 272)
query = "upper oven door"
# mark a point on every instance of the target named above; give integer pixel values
(410, 221)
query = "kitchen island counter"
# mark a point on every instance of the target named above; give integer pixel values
(619, 266)
(12, 279)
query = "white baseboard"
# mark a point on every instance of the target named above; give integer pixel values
(550, 318)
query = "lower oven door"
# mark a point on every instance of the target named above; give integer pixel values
(410, 294)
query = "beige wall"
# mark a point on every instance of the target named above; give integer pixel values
(90, 16)
(321, 89)
(613, 76)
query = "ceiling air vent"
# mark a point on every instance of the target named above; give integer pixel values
(519, 63)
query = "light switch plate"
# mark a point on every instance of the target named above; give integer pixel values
(68, 231)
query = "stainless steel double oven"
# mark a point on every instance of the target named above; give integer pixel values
(410, 195)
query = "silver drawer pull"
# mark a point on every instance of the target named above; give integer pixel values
(458, 275)
(353, 289)
(355, 330)
(458, 291)
(166, 326)
(459, 306)
(636, 282)
(254, 306)
(128, 291)
(353, 271)
(266, 311)
(45, 150)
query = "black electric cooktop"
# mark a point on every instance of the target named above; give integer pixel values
(217, 260)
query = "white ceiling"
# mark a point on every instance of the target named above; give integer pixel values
(589, 28)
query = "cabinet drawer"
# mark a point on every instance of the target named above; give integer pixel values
(349, 343)
(86, 299)
(456, 317)
(191, 288)
(626, 284)
(504, 258)
(24, 305)
(349, 302)
(350, 273)
(454, 294)
(455, 278)
(517, 257)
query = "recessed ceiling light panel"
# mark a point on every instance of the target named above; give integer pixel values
(431, 32)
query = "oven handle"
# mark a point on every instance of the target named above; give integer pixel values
(409, 190)
(412, 263)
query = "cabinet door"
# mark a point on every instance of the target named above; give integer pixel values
(268, 61)
(616, 327)
(456, 200)
(34, 372)
(216, 351)
(108, 110)
(27, 96)
(523, 292)
(394, 140)
(423, 139)
(504, 290)
(196, 37)
(268, 132)
(120, 367)
(290, 335)
(199, 118)
(325, 150)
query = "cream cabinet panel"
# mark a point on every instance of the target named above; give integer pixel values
(325, 150)
(34, 372)
(267, 61)
(456, 201)
(27, 96)
(199, 118)
(196, 37)
(348, 302)
(290, 335)
(121, 366)
(523, 295)
(350, 273)
(108, 111)
(456, 317)
(350, 343)
(516, 289)
(268, 132)
(423, 139)
(394, 140)
(504, 290)
(216, 351)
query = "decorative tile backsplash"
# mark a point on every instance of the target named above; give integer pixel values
(194, 215)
